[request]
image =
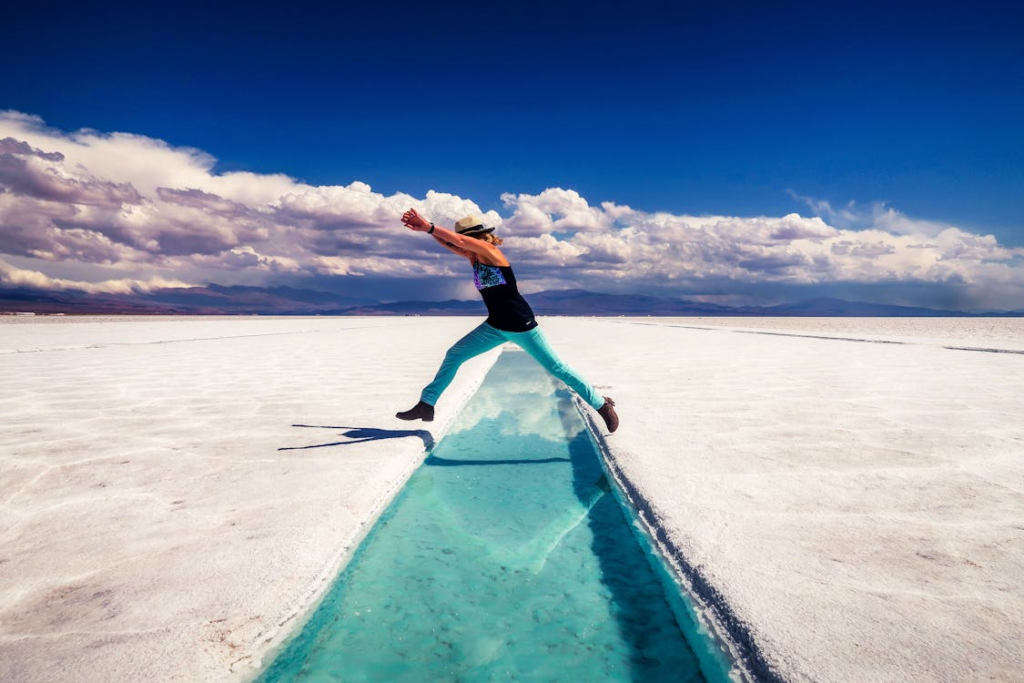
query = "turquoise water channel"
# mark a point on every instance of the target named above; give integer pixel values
(504, 558)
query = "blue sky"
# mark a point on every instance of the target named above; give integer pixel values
(725, 109)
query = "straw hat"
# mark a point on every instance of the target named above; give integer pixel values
(471, 226)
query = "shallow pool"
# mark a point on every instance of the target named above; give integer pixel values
(505, 557)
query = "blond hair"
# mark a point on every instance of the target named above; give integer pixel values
(491, 238)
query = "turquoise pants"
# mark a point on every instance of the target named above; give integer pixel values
(484, 338)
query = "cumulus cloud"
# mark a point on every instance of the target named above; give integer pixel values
(127, 200)
(553, 210)
(20, 277)
(880, 215)
(39, 175)
(692, 254)
(161, 214)
(12, 146)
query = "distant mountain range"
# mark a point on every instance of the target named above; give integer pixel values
(220, 300)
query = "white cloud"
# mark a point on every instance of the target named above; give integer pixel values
(878, 215)
(19, 277)
(553, 210)
(127, 199)
(138, 206)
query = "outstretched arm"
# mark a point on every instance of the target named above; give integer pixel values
(451, 247)
(414, 221)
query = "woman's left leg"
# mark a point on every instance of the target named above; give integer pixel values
(535, 343)
(482, 339)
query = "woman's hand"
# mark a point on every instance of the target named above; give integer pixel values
(414, 221)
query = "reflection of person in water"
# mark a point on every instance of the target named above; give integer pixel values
(509, 318)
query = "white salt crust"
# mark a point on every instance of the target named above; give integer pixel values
(846, 510)
(850, 510)
(150, 527)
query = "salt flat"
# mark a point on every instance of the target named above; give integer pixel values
(855, 510)
(850, 510)
(979, 334)
(152, 529)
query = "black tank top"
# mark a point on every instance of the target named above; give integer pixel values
(506, 308)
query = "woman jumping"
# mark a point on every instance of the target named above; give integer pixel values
(509, 318)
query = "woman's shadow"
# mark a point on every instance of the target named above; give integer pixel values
(364, 434)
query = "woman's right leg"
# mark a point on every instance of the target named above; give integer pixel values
(482, 339)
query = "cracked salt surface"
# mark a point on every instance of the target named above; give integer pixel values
(505, 557)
